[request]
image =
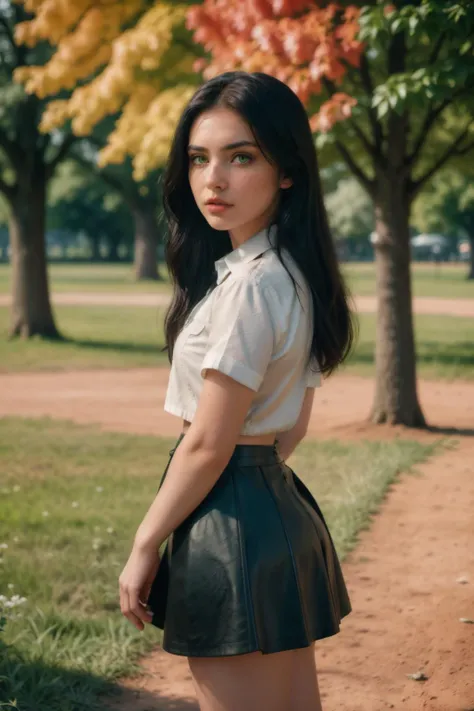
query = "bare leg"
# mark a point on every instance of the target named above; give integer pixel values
(247, 682)
(284, 681)
(305, 690)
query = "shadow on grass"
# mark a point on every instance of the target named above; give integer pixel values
(39, 687)
(121, 346)
(428, 353)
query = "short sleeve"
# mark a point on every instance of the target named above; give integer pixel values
(241, 334)
(313, 377)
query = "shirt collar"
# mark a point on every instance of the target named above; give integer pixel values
(251, 249)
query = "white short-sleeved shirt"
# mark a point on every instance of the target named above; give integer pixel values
(252, 327)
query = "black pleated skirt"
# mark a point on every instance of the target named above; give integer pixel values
(253, 567)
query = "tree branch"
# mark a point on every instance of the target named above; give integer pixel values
(111, 180)
(437, 48)
(368, 84)
(11, 150)
(354, 167)
(430, 120)
(466, 149)
(7, 190)
(8, 32)
(331, 89)
(449, 153)
(60, 154)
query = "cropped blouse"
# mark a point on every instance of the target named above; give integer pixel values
(252, 327)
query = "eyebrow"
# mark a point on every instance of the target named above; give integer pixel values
(228, 147)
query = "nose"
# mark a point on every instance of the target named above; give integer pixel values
(216, 178)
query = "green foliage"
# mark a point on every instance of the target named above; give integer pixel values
(350, 211)
(81, 202)
(447, 205)
(439, 38)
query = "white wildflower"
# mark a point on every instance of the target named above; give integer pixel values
(99, 488)
(45, 513)
(16, 539)
(10, 586)
(3, 545)
(75, 504)
(110, 529)
(16, 487)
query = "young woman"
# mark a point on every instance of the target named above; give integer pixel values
(249, 578)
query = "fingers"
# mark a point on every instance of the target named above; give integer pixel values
(132, 608)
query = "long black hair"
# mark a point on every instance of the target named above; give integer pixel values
(279, 122)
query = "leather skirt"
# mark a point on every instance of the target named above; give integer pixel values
(253, 567)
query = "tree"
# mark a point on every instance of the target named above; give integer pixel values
(81, 204)
(351, 214)
(126, 66)
(28, 160)
(377, 79)
(447, 205)
(133, 60)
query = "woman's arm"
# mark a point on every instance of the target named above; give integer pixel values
(200, 458)
(289, 440)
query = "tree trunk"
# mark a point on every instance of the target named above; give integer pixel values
(146, 242)
(113, 254)
(471, 267)
(396, 399)
(31, 312)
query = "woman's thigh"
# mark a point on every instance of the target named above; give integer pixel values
(284, 681)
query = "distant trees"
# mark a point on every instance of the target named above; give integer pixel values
(447, 206)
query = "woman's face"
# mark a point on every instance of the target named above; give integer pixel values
(225, 164)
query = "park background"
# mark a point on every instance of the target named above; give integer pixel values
(89, 96)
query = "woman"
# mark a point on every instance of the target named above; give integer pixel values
(249, 577)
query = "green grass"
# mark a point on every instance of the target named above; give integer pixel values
(92, 277)
(445, 280)
(445, 347)
(97, 337)
(70, 640)
(124, 337)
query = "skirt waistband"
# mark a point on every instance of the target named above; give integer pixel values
(248, 454)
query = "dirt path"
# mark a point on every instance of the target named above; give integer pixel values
(132, 401)
(364, 304)
(403, 578)
(404, 582)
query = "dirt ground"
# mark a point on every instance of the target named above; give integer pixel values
(364, 304)
(132, 401)
(411, 577)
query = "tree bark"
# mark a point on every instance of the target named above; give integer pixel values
(396, 399)
(471, 244)
(31, 312)
(146, 242)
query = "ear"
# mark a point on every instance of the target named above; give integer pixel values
(286, 183)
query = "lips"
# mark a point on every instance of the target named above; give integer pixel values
(218, 202)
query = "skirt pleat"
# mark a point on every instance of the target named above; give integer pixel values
(253, 567)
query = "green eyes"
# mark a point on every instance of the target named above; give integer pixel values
(244, 159)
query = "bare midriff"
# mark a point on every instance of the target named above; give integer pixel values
(245, 439)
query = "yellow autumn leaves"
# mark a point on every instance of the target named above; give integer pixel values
(115, 58)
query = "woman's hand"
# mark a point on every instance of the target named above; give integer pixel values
(135, 583)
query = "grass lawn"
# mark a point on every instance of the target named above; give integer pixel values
(97, 337)
(92, 277)
(71, 500)
(113, 337)
(445, 347)
(445, 280)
